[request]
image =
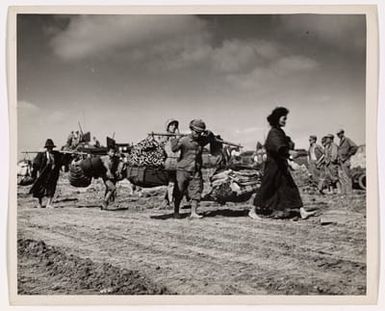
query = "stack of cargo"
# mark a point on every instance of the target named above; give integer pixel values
(234, 186)
(148, 153)
(146, 164)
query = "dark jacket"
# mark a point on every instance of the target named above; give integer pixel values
(49, 170)
(278, 191)
(347, 149)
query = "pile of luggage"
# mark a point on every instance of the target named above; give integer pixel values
(147, 152)
(146, 164)
(234, 186)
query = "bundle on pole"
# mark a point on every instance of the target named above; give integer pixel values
(77, 178)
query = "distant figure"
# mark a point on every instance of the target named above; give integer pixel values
(278, 195)
(189, 166)
(96, 142)
(47, 166)
(70, 139)
(260, 156)
(172, 127)
(323, 181)
(315, 153)
(75, 140)
(111, 163)
(347, 148)
(331, 164)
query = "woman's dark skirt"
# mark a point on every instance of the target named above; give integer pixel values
(278, 194)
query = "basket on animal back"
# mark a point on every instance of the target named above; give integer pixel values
(77, 177)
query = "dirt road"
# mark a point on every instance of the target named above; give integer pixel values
(224, 253)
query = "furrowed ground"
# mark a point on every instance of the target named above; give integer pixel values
(137, 248)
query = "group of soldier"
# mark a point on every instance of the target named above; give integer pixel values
(330, 165)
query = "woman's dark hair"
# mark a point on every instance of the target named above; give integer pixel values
(277, 113)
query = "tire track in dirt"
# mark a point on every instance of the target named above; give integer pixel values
(268, 236)
(146, 248)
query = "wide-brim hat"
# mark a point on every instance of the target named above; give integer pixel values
(171, 121)
(49, 143)
(330, 136)
(340, 131)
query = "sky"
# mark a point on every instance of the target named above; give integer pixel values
(128, 74)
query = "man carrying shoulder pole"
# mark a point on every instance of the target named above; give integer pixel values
(189, 165)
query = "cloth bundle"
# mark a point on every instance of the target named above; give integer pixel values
(77, 178)
(234, 186)
(24, 173)
(92, 167)
(147, 177)
(239, 181)
(147, 152)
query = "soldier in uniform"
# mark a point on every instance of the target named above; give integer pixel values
(347, 148)
(315, 153)
(189, 165)
(331, 164)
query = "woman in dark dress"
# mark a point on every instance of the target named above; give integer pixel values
(47, 166)
(278, 196)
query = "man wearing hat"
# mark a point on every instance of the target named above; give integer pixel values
(189, 165)
(172, 127)
(347, 148)
(331, 163)
(47, 166)
(315, 153)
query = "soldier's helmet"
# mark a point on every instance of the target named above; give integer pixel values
(197, 125)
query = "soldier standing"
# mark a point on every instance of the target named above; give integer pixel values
(347, 148)
(331, 164)
(315, 153)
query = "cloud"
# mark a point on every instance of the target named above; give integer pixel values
(175, 43)
(27, 106)
(293, 63)
(232, 56)
(273, 75)
(346, 32)
(89, 36)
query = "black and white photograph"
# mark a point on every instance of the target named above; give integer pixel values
(191, 154)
